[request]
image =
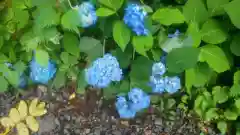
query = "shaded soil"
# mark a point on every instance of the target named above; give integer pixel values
(91, 115)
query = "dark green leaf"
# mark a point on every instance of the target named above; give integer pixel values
(71, 43)
(233, 12)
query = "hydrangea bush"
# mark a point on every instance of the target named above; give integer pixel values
(133, 51)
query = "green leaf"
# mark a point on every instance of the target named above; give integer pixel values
(29, 40)
(60, 79)
(21, 17)
(42, 57)
(47, 17)
(144, 66)
(237, 103)
(168, 16)
(231, 114)
(215, 57)
(70, 43)
(82, 84)
(121, 34)
(235, 90)
(4, 84)
(211, 114)
(222, 126)
(195, 10)
(170, 103)
(198, 76)
(233, 12)
(171, 43)
(104, 12)
(212, 32)
(3, 58)
(113, 4)
(235, 45)
(181, 59)
(70, 22)
(92, 47)
(220, 95)
(142, 44)
(194, 32)
(20, 67)
(13, 77)
(124, 58)
(215, 7)
(147, 8)
(236, 77)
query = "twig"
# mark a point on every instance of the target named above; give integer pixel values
(70, 4)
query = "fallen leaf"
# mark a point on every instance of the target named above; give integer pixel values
(7, 122)
(23, 109)
(22, 129)
(14, 115)
(32, 123)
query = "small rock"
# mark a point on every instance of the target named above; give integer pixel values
(67, 117)
(77, 131)
(87, 130)
(117, 133)
(57, 122)
(158, 121)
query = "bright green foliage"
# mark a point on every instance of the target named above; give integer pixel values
(168, 16)
(233, 12)
(121, 34)
(142, 44)
(216, 7)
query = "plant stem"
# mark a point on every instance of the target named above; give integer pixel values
(104, 42)
(133, 55)
(70, 4)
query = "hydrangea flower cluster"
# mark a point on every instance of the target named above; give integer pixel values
(134, 18)
(159, 83)
(138, 100)
(22, 79)
(41, 74)
(87, 14)
(103, 71)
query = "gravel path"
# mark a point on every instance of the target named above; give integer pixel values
(91, 115)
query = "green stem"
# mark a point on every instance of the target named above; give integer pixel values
(70, 4)
(104, 44)
(133, 55)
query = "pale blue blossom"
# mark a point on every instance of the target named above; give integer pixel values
(41, 74)
(138, 99)
(87, 14)
(134, 18)
(103, 71)
(158, 68)
(172, 84)
(123, 109)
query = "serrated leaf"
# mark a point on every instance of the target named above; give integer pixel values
(23, 109)
(170, 103)
(104, 12)
(121, 34)
(230, 114)
(113, 4)
(168, 16)
(181, 59)
(21, 17)
(29, 40)
(32, 123)
(233, 12)
(215, 57)
(235, 90)
(42, 57)
(70, 20)
(22, 129)
(70, 43)
(47, 17)
(220, 95)
(195, 10)
(211, 114)
(14, 115)
(212, 32)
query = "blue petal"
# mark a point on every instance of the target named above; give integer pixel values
(87, 14)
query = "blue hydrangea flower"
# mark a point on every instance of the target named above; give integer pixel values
(172, 84)
(134, 18)
(103, 71)
(87, 14)
(22, 78)
(123, 108)
(157, 84)
(176, 34)
(41, 74)
(158, 68)
(138, 99)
